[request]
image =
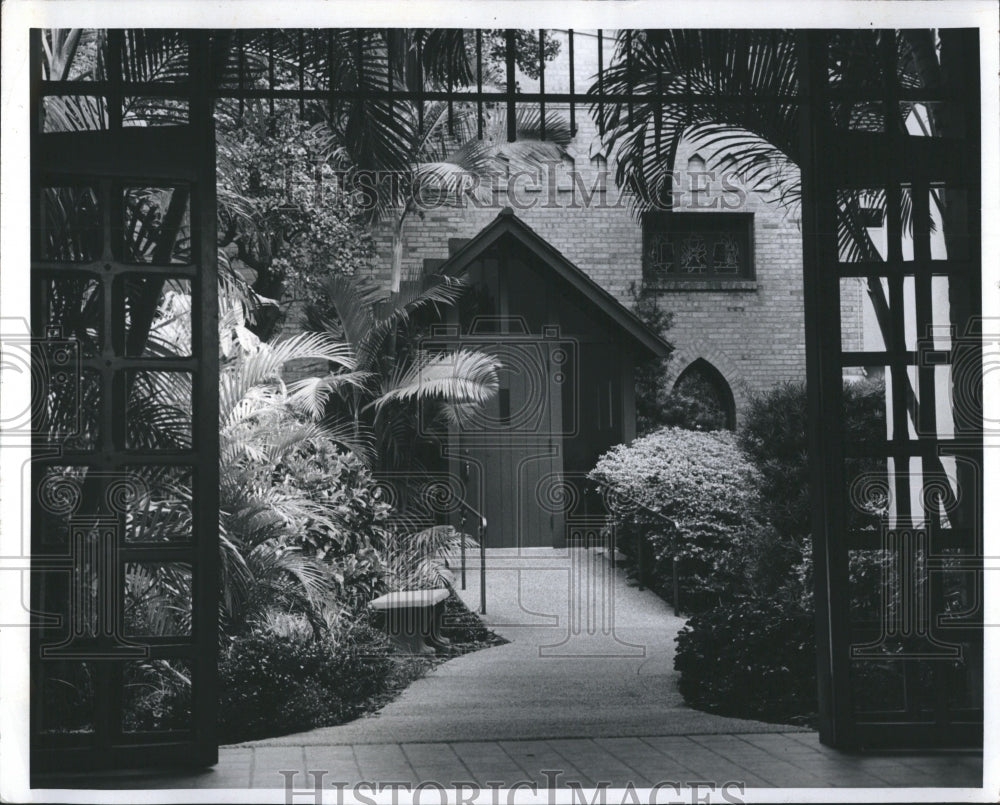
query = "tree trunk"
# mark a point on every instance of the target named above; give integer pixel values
(397, 253)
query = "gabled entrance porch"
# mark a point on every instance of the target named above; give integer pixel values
(568, 351)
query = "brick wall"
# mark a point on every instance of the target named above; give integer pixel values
(753, 335)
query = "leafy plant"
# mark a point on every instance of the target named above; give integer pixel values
(685, 494)
(394, 374)
(272, 684)
(752, 658)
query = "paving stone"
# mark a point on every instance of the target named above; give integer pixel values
(270, 761)
(536, 756)
(337, 762)
(487, 761)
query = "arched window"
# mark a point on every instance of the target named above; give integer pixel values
(696, 164)
(705, 397)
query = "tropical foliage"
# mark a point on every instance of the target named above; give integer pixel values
(306, 535)
(397, 379)
(720, 71)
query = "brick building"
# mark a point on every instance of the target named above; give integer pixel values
(726, 262)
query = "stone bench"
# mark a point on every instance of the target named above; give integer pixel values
(413, 619)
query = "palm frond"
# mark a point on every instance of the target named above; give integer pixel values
(420, 560)
(268, 361)
(644, 136)
(311, 394)
(353, 299)
(399, 308)
(355, 437)
(461, 376)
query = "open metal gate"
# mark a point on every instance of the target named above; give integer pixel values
(891, 200)
(125, 409)
(124, 517)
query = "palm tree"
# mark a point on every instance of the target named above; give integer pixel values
(393, 375)
(743, 113)
(446, 154)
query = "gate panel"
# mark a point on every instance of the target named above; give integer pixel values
(891, 202)
(125, 390)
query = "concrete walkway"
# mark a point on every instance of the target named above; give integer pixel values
(601, 668)
(584, 693)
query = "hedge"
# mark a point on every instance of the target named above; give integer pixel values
(275, 684)
(751, 658)
(691, 495)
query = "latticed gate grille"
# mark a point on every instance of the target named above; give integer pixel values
(891, 200)
(125, 464)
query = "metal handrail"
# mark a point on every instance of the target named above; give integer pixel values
(643, 547)
(482, 554)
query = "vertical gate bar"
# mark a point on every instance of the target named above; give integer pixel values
(972, 429)
(572, 87)
(110, 195)
(688, 114)
(390, 62)
(449, 85)
(359, 46)
(116, 53)
(902, 394)
(628, 72)
(899, 371)
(509, 55)
(820, 287)
(970, 72)
(600, 82)
(479, 83)
(541, 80)
(302, 72)
(658, 119)
(270, 70)
(420, 80)
(240, 68)
(34, 84)
(330, 76)
(205, 429)
(926, 424)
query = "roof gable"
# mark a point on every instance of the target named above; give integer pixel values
(508, 224)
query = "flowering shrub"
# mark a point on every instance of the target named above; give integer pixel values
(690, 495)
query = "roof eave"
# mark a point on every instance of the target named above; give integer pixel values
(507, 222)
